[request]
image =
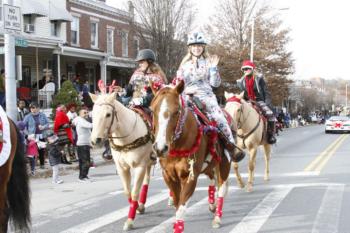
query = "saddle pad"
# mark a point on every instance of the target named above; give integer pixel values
(5, 147)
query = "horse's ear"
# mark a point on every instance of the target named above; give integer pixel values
(154, 90)
(228, 95)
(93, 97)
(179, 88)
(241, 96)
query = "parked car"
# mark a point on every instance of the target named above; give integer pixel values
(337, 124)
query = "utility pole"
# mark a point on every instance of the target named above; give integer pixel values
(12, 17)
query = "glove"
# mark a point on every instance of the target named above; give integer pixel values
(136, 101)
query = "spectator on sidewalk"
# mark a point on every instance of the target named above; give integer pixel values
(55, 155)
(62, 128)
(83, 127)
(37, 123)
(72, 114)
(2, 88)
(32, 152)
(22, 110)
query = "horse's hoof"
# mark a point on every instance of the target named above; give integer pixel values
(249, 188)
(267, 178)
(141, 209)
(212, 208)
(241, 185)
(216, 222)
(170, 201)
(128, 225)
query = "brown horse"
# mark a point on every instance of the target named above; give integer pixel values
(183, 150)
(251, 134)
(14, 188)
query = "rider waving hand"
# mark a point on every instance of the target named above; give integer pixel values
(199, 72)
(255, 89)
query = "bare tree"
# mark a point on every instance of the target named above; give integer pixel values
(165, 23)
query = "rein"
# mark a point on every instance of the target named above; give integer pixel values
(130, 146)
(242, 136)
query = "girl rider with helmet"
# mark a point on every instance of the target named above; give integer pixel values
(255, 89)
(139, 86)
(199, 72)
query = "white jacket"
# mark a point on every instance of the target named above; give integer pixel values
(83, 128)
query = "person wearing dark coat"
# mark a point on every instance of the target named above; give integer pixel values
(55, 154)
(255, 90)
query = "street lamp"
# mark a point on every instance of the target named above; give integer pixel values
(252, 36)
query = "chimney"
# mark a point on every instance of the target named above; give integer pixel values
(131, 10)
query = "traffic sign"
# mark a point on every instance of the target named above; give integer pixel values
(21, 42)
(12, 18)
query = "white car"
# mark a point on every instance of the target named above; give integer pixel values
(337, 124)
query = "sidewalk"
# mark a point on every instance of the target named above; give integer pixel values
(96, 154)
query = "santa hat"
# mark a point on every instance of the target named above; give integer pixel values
(248, 64)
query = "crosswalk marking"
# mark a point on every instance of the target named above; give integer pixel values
(327, 219)
(94, 224)
(258, 216)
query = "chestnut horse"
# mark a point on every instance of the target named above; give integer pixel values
(14, 184)
(183, 151)
(131, 145)
(251, 133)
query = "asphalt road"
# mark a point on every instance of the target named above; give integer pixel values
(308, 192)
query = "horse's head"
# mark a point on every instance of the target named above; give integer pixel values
(166, 107)
(103, 117)
(234, 107)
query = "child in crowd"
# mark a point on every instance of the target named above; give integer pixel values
(55, 154)
(32, 152)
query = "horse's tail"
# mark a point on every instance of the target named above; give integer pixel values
(18, 193)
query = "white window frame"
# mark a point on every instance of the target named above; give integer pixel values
(77, 30)
(110, 47)
(137, 40)
(125, 43)
(95, 45)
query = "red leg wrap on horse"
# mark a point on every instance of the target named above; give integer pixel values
(179, 226)
(132, 209)
(129, 200)
(211, 194)
(143, 195)
(171, 194)
(220, 203)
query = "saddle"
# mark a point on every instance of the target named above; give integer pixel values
(145, 113)
(263, 116)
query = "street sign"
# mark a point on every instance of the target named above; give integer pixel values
(12, 18)
(21, 42)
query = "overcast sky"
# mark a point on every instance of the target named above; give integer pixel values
(320, 33)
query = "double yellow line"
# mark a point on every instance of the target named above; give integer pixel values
(321, 160)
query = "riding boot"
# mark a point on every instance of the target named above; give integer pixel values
(271, 139)
(236, 155)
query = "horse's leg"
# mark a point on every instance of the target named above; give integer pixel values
(139, 174)
(144, 191)
(251, 168)
(223, 171)
(125, 175)
(239, 179)
(211, 195)
(188, 186)
(267, 154)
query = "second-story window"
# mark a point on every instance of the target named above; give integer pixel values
(55, 28)
(94, 34)
(75, 30)
(125, 51)
(136, 46)
(110, 41)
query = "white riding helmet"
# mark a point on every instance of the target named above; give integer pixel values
(196, 38)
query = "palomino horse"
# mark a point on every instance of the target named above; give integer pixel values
(14, 188)
(250, 135)
(131, 144)
(183, 151)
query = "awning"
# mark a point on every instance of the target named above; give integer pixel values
(33, 7)
(78, 52)
(59, 13)
(121, 62)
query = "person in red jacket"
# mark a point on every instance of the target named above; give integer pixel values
(62, 128)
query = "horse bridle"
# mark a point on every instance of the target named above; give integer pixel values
(114, 115)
